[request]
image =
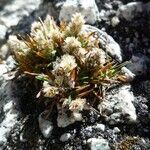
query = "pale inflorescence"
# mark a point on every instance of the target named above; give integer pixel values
(64, 64)
(70, 62)
(71, 45)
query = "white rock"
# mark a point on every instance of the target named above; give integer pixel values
(87, 8)
(7, 65)
(4, 51)
(65, 137)
(8, 106)
(1, 80)
(98, 144)
(107, 42)
(3, 30)
(46, 126)
(11, 63)
(129, 75)
(116, 130)
(100, 127)
(115, 21)
(13, 12)
(118, 108)
(102, 14)
(9, 121)
(89, 128)
(130, 10)
(108, 6)
(3, 69)
(138, 64)
(77, 116)
(59, 4)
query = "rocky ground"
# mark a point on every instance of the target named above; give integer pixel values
(126, 119)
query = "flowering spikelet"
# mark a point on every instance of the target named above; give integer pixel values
(43, 28)
(75, 26)
(64, 64)
(41, 34)
(95, 57)
(71, 45)
(59, 80)
(35, 28)
(62, 68)
(48, 90)
(81, 55)
(56, 37)
(49, 24)
(20, 51)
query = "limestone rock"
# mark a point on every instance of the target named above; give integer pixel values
(100, 127)
(87, 8)
(3, 69)
(14, 11)
(46, 126)
(115, 21)
(65, 137)
(3, 30)
(130, 10)
(4, 50)
(8, 121)
(118, 108)
(128, 74)
(98, 144)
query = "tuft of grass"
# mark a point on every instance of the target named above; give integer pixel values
(73, 68)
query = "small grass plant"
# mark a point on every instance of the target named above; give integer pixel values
(75, 71)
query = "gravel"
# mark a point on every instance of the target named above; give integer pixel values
(132, 35)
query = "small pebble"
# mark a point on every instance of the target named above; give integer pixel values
(116, 130)
(100, 127)
(65, 137)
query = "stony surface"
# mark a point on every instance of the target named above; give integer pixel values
(118, 107)
(87, 8)
(4, 51)
(12, 12)
(101, 127)
(8, 122)
(65, 137)
(98, 144)
(3, 30)
(7, 111)
(131, 31)
(45, 126)
(3, 69)
(130, 10)
(15, 10)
